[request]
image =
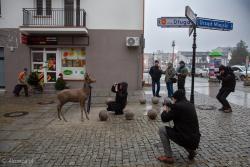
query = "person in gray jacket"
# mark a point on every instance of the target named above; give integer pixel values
(169, 79)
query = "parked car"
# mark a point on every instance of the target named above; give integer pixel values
(201, 72)
(240, 72)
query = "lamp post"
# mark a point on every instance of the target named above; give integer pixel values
(173, 45)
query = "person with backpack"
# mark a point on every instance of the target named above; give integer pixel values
(228, 83)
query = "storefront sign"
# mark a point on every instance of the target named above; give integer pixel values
(41, 40)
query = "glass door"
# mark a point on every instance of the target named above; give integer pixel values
(51, 67)
(44, 62)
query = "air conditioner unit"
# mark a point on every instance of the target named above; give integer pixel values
(133, 41)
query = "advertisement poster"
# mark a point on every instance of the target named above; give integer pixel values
(73, 63)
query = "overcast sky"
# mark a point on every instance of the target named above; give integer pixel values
(236, 11)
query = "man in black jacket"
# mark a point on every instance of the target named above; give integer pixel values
(155, 73)
(227, 86)
(186, 127)
(121, 90)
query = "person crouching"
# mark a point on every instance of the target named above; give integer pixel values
(186, 127)
(121, 98)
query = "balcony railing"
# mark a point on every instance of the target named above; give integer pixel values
(55, 17)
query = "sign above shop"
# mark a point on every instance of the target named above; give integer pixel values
(39, 40)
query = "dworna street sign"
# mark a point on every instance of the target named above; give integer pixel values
(174, 22)
(214, 24)
(190, 15)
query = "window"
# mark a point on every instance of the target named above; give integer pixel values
(73, 63)
(41, 4)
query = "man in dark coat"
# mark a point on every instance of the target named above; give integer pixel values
(227, 86)
(182, 73)
(155, 73)
(186, 127)
(120, 99)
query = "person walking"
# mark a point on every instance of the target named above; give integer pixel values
(228, 83)
(155, 72)
(169, 79)
(182, 73)
(22, 83)
(185, 132)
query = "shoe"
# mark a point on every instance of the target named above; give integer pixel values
(228, 110)
(221, 109)
(165, 159)
(158, 96)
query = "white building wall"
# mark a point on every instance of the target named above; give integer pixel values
(101, 14)
(12, 12)
(114, 14)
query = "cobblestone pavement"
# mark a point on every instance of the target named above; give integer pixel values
(40, 139)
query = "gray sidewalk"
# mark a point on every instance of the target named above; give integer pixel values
(40, 139)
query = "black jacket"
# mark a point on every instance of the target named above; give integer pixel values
(120, 98)
(228, 80)
(186, 126)
(155, 72)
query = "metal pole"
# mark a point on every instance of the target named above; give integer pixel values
(173, 45)
(193, 66)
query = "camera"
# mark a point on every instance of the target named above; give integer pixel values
(167, 102)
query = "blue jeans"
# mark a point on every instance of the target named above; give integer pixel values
(157, 83)
(170, 89)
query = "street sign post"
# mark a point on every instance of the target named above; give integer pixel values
(192, 22)
(173, 22)
(192, 18)
(214, 24)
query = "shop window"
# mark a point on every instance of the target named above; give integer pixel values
(73, 63)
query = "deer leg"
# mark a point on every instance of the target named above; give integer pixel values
(82, 106)
(86, 113)
(62, 113)
(59, 107)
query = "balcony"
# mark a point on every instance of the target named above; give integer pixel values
(53, 21)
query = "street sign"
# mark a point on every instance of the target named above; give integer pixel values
(214, 24)
(190, 15)
(173, 22)
(191, 29)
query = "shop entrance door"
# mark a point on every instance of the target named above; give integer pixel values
(45, 63)
(51, 70)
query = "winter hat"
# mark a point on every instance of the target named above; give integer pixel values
(222, 67)
(179, 94)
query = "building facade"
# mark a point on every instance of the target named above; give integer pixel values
(72, 37)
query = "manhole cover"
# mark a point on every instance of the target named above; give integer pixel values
(16, 114)
(206, 107)
(46, 102)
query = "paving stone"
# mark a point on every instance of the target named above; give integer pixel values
(8, 146)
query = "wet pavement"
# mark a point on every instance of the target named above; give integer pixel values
(40, 139)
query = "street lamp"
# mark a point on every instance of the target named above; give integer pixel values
(173, 45)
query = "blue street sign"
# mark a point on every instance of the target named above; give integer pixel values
(214, 24)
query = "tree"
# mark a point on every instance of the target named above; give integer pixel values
(239, 54)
